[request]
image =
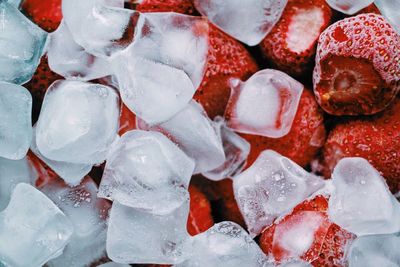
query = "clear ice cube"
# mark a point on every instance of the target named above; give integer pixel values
(296, 263)
(247, 21)
(113, 264)
(21, 45)
(32, 229)
(265, 104)
(361, 202)
(15, 120)
(145, 170)
(225, 244)
(236, 151)
(70, 60)
(13, 172)
(193, 131)
(88, 216)
(349, 7)
(390, 10)
(270, 188)
(135, 236)
(78, 122)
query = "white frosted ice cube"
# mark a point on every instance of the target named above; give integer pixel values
(15, 120)
(70, 60)
(390, 10)
(361, 202)
(193, 131)
(145, 170)
(78, 122)
(21, 45)
(32, 229)
(13, 172)
(236, 151)
(248, 21)
(349, 7)
(225, 244)
(265, 104)
(134, 236)
(88, 216)
(270, 188)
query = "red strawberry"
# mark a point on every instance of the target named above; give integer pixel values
(357, 66)
(127, 120)
(291, 44)
(38, 85)
(200, 218)
(178, 6)
(44, 172)
(308, 233)
(375, 138)
(301, 144)
(45, 13)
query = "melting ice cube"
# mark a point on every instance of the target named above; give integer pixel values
(78, 122)
(32, 229)
(265, 104)
(349, 7)
(271, 187)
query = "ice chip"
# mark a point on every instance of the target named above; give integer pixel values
(145, 170)
(88, 216)
(193, 131)
(361, 202)
(349, 7)
(15, 120)
(265, 104)
(247, 21)
(78, 122)
(32, 229)
(225, 244)
(13, 172)
(270, 188)
(21, 45)
(159, 74)
(236, 151)
(70, 60)
(135, 236)
(375, 250)
(389, 9)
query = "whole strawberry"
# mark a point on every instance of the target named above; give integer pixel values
(291, 44)
(178, 6)
(200, 218)
(357, 66)
(45, 13)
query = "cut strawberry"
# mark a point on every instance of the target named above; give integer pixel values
(357, 70)
(200, 218)
(291, 44)
(303, 141)
(45, 13)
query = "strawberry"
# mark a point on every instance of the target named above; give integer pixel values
(303, 141)
(357, 66)
(292, 43)
(178, 6)
(375, 138)
(45, 13)
(127, 120)
(41, 80)
(307, 233)
(44, 172)
(200, 218)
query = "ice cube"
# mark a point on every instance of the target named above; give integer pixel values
(193, 131)
(296, 263)
(70, 60)
(15, 120)
(375, 250)
(265, 104)
(159, 74)
(15, 3)
(113, 264)
(247, 21)
(225, 244)
(21, 45)
(88, 215)
(270, 188)
(32, 229)
(389, 10)
(236, 151)
(13, 172)
(145, 170)
(135, 236)
(349, 7)
(71, 173)
(78, 122)
(361, 202)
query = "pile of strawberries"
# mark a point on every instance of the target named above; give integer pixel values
(350, 67)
